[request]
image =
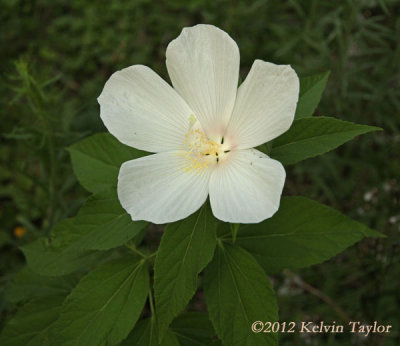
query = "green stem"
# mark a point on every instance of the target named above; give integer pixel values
(140, 253)
(234, 230)
(153, 315)
(136, 251)
(37, 102)
(52, 171)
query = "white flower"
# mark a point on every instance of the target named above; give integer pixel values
(202, 131)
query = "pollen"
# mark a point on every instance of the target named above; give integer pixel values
(201, 152)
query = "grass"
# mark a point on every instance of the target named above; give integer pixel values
(56, 56)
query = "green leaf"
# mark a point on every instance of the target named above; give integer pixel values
(47, 260)
(311, 89)
(238, 293)
(145, 334)
(302, 233)
(186, 247)
(27, 285)
(104, 306)
(101, 224)
(193, 329)
(31, 325)
(96, 160)
(314, 136)
(266, 147)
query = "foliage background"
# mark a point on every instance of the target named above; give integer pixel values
(55, 57)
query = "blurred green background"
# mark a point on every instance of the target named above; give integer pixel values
(55, 56)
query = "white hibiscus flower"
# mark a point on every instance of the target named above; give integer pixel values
(202, 131)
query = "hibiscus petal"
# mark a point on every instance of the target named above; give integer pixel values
(265, 105)
(203, 63)
(162, 188)
(143, 111)
(246, 187)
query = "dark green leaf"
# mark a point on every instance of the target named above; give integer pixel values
(31, 324)
(44, 259)
(311, 89)
(266, 147)
(96, 160)
(193, 329)
(101, 224)
(145, 334)
(186, 247)
(238, 293)
(303, 232)
(27, 285)
(314, 136)
(104, 306)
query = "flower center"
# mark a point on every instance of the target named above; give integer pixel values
(201, 151)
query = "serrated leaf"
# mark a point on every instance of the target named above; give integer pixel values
(186, 247)
(193, 329)
(101, 224)
(104, 306)
(27, 285)
(145, 334)
(31, 324)
(314, 136)
(311, 89)
(238, 293)
(96, 160)
(302, 233)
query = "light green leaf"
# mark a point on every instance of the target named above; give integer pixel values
(193, 329)
(104, 306)
(96, 160)
(314, 136)
(238, 293)
(101, 224)
(311, 89)
(145, 334)
(186, 247)
(302, 233)
(27, 285)
(30, 326)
